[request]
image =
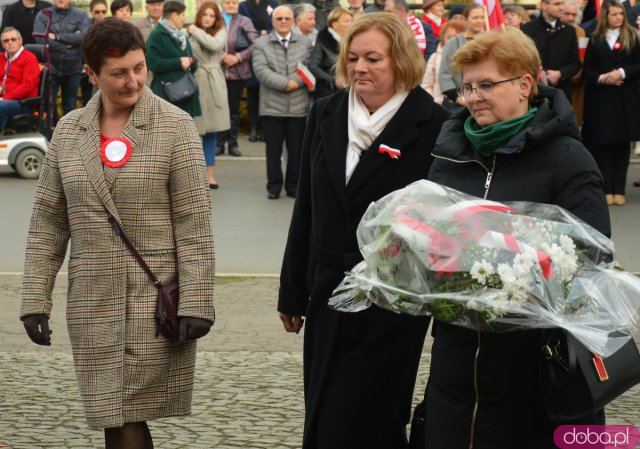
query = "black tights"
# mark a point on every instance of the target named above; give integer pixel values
(130, 436)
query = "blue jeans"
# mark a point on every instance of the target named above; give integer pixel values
(9, 108)
(209, 146)
(69, 85)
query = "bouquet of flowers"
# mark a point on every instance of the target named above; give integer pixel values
(432, 250)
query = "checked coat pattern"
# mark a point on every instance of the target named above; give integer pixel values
(161, 199)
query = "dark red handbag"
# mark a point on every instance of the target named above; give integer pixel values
(167, 320)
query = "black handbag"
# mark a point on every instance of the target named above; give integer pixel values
(242, 40)
(182, 89)
(576, 383)
(167, 321)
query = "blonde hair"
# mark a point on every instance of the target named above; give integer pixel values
(406, 58)
(502, 48)
(336, 13)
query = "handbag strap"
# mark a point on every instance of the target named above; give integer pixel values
(117, 229)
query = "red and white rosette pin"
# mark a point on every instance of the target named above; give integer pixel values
(115, 152)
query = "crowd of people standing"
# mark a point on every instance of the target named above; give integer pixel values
(223, 63)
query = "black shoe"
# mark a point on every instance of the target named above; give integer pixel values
(253, 135)
(220, 150)
(636, 183)
(233, 151)
(214, 186)
(260, 138)
(273, 196)
(291, 194)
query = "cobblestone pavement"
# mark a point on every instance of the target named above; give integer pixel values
(248, 390)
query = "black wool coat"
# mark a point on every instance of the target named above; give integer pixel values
(611, 113)
(359, 368)
(321, 63)
(558, 49)
(544, 163)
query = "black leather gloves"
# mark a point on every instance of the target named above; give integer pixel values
(193, 328)
(37, 327)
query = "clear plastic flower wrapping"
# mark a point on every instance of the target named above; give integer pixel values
(489, 266)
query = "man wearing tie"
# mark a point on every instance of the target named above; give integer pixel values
(284, 98)
(557, 45)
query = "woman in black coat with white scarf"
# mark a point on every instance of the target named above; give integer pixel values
(612, 97)
(359, 368)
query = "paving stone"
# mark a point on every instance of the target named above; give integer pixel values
(248, 385)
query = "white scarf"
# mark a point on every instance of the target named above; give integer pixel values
(364, 128)
(334, 33)
(418, 32)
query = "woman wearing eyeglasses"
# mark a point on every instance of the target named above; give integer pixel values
(515, 141)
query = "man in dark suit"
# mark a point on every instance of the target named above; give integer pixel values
(557, 44)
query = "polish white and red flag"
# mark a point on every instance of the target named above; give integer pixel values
(303, 72)
(582, 47)
(495, 17)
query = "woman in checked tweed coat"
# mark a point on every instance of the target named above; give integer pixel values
(160, 196)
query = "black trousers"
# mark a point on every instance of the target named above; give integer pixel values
(276, 131)
(613, 160)
(253, 105)
(234, 93)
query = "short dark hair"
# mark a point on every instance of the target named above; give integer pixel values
(117, 4)
(172, 6)
(93, 3)
(110, 38)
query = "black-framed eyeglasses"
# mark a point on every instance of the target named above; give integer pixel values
(482, 89)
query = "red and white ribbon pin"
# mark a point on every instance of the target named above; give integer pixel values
(115, 152)
(392, 152)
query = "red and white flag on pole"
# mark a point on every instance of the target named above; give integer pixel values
(495, 17)
(303, 72)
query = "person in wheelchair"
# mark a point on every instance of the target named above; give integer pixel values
(20, 75)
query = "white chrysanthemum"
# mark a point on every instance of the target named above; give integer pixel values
(522, 264)
(507, 276)
(515, 287)
(480, 271)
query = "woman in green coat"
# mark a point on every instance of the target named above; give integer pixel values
(169, 54)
